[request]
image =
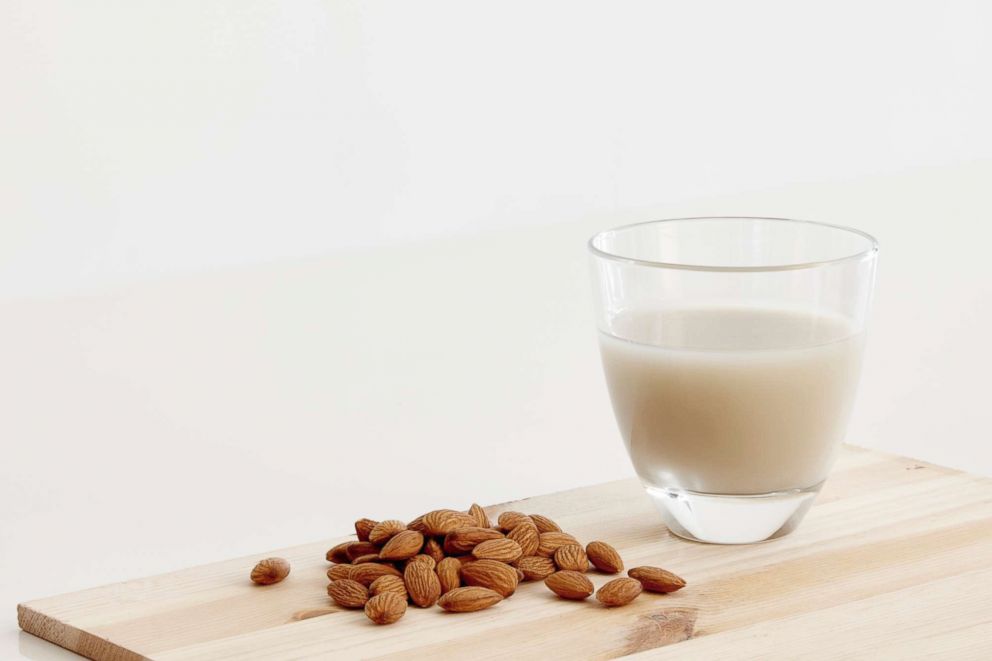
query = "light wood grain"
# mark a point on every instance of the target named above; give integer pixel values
(894, 560)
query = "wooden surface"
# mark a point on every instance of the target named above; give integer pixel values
(893, 561)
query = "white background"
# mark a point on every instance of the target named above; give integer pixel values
(266, 267)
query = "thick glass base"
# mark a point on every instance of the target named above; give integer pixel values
(729, 519)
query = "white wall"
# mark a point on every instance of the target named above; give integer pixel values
(145, 137)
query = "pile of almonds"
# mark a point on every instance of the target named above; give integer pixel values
(462, 563)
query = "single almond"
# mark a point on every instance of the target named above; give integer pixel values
(422, 584)
(504, 550)
(368, 572)
(527, 535)
(270, 571)
(337, 572)
(362, 559)
(385, 608)
(441, 522)
(655, 579)
(491, 574)
(383, 530)
(604, 557)
(535, 567)
(433, 548)
(363, 527)
(479, 516)
(572, 556)
(388, 583)
(469, 599)
(358, 549)
(424, 558)
(463, 540)
(347, 593)
(569, 584)
(619, 592)
(405, 544)
(544, 524)
(449, 574)
(339, 553)
(509, 520)
(550, 541)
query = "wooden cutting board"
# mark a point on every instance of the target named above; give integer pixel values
(894, 560)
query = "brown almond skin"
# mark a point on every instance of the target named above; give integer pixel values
(527, 535)
(347, 593)
(503, 550)
(463, 540)
(389, 583)
(469, 599)
(339, 553)
(363, 527)
(491, 574)
(404, 544)
(384, 530)
(358, 549)
(507, 521)
(479, 516)
(424, 558)
(441, 522)
(422, 584)
(656, 579)
(432, 547)
(550, 541)
(544, 524)
(572, 557)
(270, 571)
(569, 584)
(385, 608)
(368, 572)
(535, 567)
(449, 574)
(371, 557)
(604, 557)
(417, 524)
(619, 592)
(337, 572)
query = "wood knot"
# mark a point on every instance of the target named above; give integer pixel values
(664, 627)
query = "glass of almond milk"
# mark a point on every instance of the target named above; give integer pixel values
(732, 351)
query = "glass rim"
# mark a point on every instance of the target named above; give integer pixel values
(868, 252)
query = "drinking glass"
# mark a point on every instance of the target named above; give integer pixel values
(732, 352)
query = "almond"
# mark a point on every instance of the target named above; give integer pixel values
(479, 516)
(655, 579)
(441, 522)
(362, 559)
(388, 583)
(510, 520)
(572, 556)
(504, 550)
(535, 568)
(363, 527)
(449, 574)
(358, 549)
(550, 541)
(604, 557)
(339, 553)
(433, 548)
(544, 524)
(383, 530)
(619, 592)
(424, 558)
(469, 599)
(569, 584)
(385, 608)
(527, 536)
(402, 545)
(368, 572)
(463, 540)
(347, 593)
(337, 572)
(491, 574)
(422, 584)
(417, 524)
(270, 571)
